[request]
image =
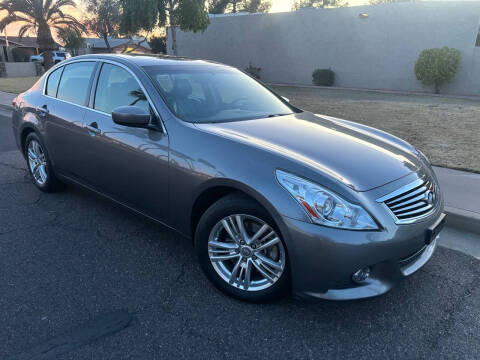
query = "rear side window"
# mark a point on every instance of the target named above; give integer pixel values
(52, 82)
(117, 87)
(74, 83)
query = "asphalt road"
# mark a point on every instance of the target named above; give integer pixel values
(82, 278)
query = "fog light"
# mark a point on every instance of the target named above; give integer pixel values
(361, 275)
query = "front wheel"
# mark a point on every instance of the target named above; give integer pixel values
(241, 251)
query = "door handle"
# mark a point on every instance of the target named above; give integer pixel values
(42, 110)
(93, 128)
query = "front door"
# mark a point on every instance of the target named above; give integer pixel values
(127, 163)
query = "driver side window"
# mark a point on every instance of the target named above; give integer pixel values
(117, 87)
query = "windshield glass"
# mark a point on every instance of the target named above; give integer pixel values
(210, 93)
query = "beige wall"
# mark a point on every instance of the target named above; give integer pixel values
(19, 69)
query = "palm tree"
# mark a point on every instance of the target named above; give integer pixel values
(40, 16)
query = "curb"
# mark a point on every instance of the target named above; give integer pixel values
(381, 91)
(463, 219)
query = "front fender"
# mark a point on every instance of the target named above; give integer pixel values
(239, 186)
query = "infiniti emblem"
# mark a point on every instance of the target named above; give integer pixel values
(429, 197)
(246, 251)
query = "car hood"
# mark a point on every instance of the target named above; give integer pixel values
(360, 157)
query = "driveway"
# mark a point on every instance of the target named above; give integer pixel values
(73, 257)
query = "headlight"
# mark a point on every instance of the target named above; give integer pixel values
(325, 207)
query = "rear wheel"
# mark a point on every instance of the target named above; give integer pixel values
(241, 250)
(39, 165)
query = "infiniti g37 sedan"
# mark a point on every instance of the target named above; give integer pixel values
(276, 200)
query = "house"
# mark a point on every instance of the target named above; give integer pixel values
(97, 45)
(19, 49)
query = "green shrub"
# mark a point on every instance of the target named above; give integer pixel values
(253, 71)
(437, 66)
(323, 77)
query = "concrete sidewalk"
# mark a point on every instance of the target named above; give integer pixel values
(462, 197)
(461, 188)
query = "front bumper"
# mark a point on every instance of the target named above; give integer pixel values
(323, 259)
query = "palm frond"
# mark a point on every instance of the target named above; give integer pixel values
(76, 26)
(12, 18)
(65, 17)
(23, 30)
(61, 3)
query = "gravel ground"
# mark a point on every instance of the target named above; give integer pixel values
(447, 130)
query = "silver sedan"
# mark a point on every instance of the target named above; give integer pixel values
(277, 200)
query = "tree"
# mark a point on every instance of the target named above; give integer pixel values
(40, 17)
(188, 15)
(233, 6)
(437, 66)
(104, 19)
(71, 39)
(158, 44)
(301, 4)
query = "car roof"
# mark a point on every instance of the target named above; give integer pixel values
(143, 60)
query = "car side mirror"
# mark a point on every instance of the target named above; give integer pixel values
(132, 116)
(286, 99)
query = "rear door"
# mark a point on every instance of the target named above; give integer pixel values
(66, 96)
(129, 164)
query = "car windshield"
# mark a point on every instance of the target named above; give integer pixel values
(212, 93)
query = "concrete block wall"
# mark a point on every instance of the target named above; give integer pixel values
(19, 69)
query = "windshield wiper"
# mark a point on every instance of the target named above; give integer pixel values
(275, 115)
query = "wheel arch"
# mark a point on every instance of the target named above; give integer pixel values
(219, 188)
(26, 130)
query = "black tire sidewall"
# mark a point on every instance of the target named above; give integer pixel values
(238, 204)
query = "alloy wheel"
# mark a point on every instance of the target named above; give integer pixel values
(246, 252)
(37, 162)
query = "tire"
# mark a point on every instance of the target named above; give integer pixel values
(251, 254)
(39, 165)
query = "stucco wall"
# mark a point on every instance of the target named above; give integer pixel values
(17, 69)
(375, 52)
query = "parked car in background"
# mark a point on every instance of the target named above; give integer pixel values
(276, 199)
(57, 56)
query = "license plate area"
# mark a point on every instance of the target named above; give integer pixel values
(433, 231)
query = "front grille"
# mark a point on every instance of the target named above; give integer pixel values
(412, 201)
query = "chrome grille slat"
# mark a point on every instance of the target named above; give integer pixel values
(420, 190)
(407, 208)
(412, 201)
(407, 202)
(414, 212)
